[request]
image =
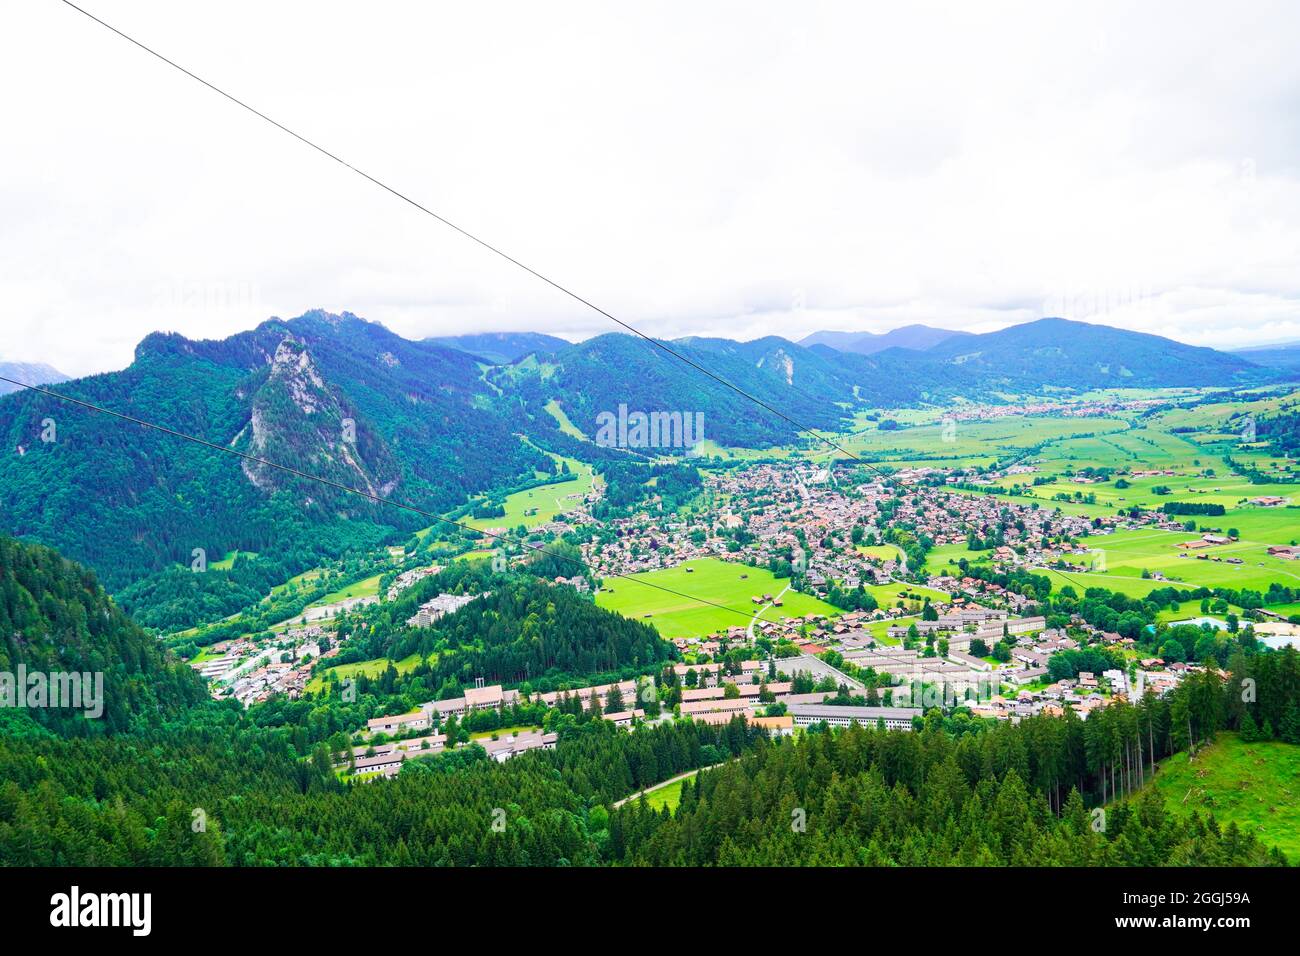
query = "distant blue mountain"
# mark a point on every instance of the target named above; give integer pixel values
(501, 348)
(31, 373)
(918, 337)
(1286, 355)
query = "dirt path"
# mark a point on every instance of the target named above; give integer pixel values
(660, 786)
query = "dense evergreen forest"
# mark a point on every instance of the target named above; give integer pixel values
(876, 798)
(955, 792)
(54, 616)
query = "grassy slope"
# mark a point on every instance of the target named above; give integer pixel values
(371, 668)
(539, 505)
(1254, 785)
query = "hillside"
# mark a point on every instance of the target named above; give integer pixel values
(818, 388)
(347, 399)
(1082, 356)
(615, 369)
(130, 501)
(55, 617)
(1253, 785)
(1274, 356)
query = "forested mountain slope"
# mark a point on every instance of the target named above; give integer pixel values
(1080, 355)
(131, 500)
(55, 617)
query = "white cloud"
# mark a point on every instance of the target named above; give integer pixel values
(722, 169)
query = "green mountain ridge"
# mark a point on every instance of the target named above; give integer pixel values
(430, 425)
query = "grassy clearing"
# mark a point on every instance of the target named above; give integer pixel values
(371, 668)
(503, 732)
(1254, 785)
(535, 506)
(226, 563)
(566, 425)
(879, 629)
(881, 552)
(366, 587)
(909, 596)
(936, 561)
(967, 442)
(669, 796)
(1129, 553)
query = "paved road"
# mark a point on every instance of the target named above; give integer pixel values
(818, 668)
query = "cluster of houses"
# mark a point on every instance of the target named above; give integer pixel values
(719, 696)
(250, 672)
(790, 508)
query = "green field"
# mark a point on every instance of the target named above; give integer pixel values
(667, 796)
(881, 552)
(965, 443)
(1253, 785)
(911, 596)
(936, 561)
(371, 668)
(566, 425)
(535, 506)
(1231, 491)
(712, 580)
(502, 732)
(879, 629)
(366, 587)
(1128, 553)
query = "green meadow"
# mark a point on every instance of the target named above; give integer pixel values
(966, 443)
(566, 426)
(371, 668)
(366, 587)
(1250, 784)
(667, 796)
(720, 582)
(536, 506)
(226, 563)
(881, 552)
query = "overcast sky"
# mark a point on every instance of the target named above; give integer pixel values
(696, 168)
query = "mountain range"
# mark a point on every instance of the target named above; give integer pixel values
(433, 423)
(1285, 355)
(33, 373)
(868, 343)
